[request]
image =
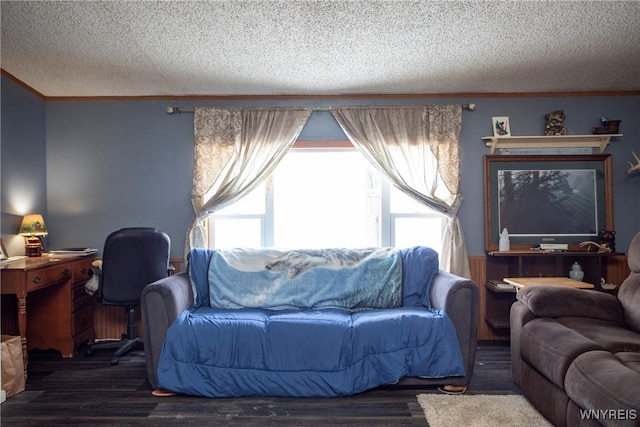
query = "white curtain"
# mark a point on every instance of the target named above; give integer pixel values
(417, 148)
(235, 150)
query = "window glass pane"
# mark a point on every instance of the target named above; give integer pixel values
(252, 203)
(321, 199)
(418, 231)
(236, 232)
(402, 203)
(326, 198)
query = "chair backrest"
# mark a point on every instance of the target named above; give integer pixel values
(131, 259)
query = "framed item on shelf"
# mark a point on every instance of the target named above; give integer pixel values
(565, 199)
(501, 126)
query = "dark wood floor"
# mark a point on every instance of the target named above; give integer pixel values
(87, 391)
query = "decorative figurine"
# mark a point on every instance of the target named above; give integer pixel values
(608, 126)
(608, 237)
(555, 123)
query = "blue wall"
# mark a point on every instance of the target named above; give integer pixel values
(112, 164)
(117, 164)
(23, 186)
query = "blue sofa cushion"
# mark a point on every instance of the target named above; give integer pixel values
(325, 352)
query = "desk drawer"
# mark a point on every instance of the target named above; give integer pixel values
(81, 299)
(82, 270)
(47, 276)
(82, 320)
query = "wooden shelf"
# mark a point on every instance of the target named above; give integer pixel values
(544, 253)
(497, 323)
(492, 285)
(557, 141)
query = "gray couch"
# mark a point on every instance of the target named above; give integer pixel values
(165, 299)
(576, 354)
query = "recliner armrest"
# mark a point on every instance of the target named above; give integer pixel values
(559, 301)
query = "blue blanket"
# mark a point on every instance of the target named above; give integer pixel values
(222, 352)
(327, 352)
(354, 279)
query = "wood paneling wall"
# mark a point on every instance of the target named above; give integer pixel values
(478, 266)
(111, 322)
(617, 269)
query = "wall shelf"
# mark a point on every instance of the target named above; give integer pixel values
(556, 141)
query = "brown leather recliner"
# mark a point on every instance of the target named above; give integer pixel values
(576, 354)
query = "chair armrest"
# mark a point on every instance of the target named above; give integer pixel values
(559, 301)
(161, 302)
(459, 297)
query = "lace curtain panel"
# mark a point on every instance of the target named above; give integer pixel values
(235, 150)
(417, 149)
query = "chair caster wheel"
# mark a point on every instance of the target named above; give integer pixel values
(115, 361)
(88, 351)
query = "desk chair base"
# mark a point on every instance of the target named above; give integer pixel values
(122, 347)
(129, 342)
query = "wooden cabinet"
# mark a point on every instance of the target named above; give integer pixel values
(61, 316)
(497, 305)
(531, 264)
(53, 310)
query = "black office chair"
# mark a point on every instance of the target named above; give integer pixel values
(131, 259)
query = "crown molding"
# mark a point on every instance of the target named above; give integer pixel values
(21, 83)
(364, 96)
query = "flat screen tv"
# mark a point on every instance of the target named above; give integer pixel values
(547, 199)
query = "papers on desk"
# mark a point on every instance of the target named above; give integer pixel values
(73, 252)
(12, 259)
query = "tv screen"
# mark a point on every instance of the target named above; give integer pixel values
(565, 202)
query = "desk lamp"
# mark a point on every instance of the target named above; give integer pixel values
(32, 228)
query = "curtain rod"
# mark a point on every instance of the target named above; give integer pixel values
(179, 110)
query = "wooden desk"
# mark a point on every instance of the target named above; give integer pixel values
(523, 282)
(53, 309)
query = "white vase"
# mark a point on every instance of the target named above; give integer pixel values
(576, 272)
(504, 244)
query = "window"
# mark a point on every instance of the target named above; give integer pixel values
(241, 224)
(412, 223)
(325, 197)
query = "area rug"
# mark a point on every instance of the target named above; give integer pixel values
(480, 410)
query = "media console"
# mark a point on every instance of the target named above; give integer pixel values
(532, 263)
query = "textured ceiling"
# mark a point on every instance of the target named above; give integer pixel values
(135, 48)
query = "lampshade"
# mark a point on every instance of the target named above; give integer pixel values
(33, 225)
